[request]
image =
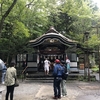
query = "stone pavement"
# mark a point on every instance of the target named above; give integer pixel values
(43, 90)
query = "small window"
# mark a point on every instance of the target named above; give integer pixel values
(32, 57)
(73, 57)
(21, 57)
(35, 57)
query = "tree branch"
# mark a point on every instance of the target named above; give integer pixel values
(5, 15)
(29, 3)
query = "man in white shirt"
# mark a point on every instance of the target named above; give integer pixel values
(46, 66)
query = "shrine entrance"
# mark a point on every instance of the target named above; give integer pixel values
(51, 45)
(51, 49)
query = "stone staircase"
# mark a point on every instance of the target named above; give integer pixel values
(42, 76)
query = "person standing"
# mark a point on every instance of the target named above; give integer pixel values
(46, 66)
(10, 81)
(24, 65)
(68, 64)
(4, 69)
(57, 74)
(64, 78)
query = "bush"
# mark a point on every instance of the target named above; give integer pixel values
(95, 68)
(85, 79)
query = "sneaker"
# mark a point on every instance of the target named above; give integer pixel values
(63, 95)
(3, 82)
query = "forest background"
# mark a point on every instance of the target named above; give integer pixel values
(23, 20)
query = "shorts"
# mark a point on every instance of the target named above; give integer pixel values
(46, 68)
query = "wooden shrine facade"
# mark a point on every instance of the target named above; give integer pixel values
(51, 45)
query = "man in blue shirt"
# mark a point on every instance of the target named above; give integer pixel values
(57, 74)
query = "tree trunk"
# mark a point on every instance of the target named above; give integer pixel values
(5, 15)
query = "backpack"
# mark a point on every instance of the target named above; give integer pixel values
(59, 73)
(65, 73)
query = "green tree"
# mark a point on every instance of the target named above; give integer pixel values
(14, 42)
(5, 10)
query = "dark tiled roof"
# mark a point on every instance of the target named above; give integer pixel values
(52, 33)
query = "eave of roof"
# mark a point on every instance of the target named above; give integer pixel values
(52, 33)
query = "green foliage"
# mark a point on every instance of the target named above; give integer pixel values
(95, 68)
(94, 41)
(15, 40)
(85, 79)
(20, 30)
(31, 18)
(80, 78)
(6, 48)
(79, 51)
(20, 36)
(4, 45)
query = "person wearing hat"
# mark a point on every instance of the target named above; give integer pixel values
(57, 74)
(10, 81)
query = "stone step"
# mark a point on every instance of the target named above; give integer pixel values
(41, 76)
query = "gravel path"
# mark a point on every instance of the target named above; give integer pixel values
(32, 90)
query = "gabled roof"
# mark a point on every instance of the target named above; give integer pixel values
(52, 33)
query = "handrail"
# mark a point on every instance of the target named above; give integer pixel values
(23, 72)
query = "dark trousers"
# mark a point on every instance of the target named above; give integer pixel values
(24, 73)
(10, 90)
(57, 90)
